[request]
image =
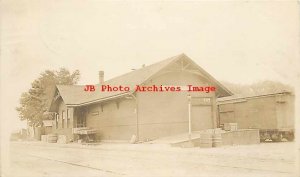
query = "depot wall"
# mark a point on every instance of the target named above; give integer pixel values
(263, 112)
(63, 125)
(114, 120)
(159, 113)
(166, 113)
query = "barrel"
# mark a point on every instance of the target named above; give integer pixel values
(52, 138)
(217, 140)
(205, 140)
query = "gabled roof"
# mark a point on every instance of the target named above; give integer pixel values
(74, 94)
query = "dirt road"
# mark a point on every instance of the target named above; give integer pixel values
(109, 160)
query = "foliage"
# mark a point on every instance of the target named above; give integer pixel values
(258, 88)
(34, 103)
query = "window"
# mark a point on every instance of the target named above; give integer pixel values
(56, 121)
(63, 114)
(68, 118)
(63, 118)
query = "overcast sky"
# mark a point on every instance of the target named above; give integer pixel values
(240, 42)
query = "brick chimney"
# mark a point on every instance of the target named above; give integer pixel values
(101, 77)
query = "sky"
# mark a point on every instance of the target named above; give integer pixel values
(236, 41)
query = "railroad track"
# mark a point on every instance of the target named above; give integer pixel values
(74, 164)
(153, 160)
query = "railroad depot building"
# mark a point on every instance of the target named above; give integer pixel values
(118, 115)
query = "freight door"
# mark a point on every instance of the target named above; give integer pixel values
(201, 117)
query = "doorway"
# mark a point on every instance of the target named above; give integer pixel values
(81, 117)
(201, 117)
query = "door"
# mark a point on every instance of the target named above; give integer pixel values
(201, 117)
(81, 118)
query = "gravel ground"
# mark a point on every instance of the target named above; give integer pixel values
(37, 159)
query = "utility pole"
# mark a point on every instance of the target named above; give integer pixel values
(190, 123)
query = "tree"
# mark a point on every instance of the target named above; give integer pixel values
(257, 88)
(34, 103)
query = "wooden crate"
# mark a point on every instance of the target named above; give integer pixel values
(230, 126)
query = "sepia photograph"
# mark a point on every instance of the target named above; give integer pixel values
(93, 88)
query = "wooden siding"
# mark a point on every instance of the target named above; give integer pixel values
(259, 112)
(159, 113)
(166, 113)
(59, 129)
(115, 119)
